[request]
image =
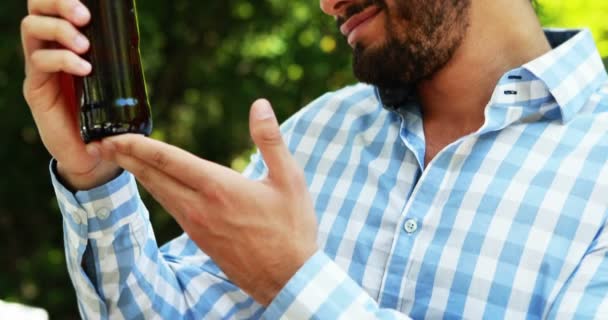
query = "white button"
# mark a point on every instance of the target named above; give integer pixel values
(103, 213)
(410, 226)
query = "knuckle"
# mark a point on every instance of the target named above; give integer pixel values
(65, 28)
(193, 215)
(66, 60)
(27, 93)
(55, 28)
(160, 159)
(143, 174)
(298, 177)
(57, 5)
(26, 25)
(198, 220)
(31, 5)
(128, 148)
(37, 60)
(213, 192)
(187, 209)
(271, 137)
(124, 147)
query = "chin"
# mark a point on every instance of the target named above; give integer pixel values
(367, 47)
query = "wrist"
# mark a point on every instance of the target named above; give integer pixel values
(282, 274)
(101, 174)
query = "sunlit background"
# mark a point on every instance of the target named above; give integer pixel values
(205, 62)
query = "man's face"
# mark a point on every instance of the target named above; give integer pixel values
(398, 43)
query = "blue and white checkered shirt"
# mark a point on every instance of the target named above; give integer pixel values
(507, 222)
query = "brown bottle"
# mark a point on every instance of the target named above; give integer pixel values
(113, 98)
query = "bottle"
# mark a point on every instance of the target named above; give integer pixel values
(113, 98)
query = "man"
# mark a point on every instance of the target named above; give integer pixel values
(467, 181)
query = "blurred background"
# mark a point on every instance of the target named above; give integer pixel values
(205, 62)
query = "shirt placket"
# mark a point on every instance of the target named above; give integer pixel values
(405, 252)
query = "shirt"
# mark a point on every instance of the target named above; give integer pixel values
(507, 222)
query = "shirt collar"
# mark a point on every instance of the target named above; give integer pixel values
(571, 72)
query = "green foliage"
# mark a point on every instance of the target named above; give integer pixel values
(579, 14)
(205, 62)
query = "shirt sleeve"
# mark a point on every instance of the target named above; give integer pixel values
(322, 290)
(118, 270)
(585, 294)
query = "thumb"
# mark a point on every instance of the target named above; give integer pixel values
(265, 133)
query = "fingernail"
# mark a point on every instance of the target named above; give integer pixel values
(263, 110)
(84, 66)
(80, 12)
(81, 42)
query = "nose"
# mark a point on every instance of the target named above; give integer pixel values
(334, 7)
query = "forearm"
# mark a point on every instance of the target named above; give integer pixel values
(144, 281)
(116, 265)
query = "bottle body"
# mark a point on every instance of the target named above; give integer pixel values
(113, 98)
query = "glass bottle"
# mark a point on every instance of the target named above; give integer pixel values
(113, 98)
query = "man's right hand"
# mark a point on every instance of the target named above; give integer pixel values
(52, 45)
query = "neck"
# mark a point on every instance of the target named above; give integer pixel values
(503, 34)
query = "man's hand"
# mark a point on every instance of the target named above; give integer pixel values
(52, 45)
(258, 232)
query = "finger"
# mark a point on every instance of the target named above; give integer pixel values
(72, 10)
(37, 29)
(266, 135)
(69, 90)
(54, 117)
(55, 60)
(174, 196)
(175, 162)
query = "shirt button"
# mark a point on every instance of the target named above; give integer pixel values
(103, 213)
(410, 226)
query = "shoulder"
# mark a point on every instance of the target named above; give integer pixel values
(352, 109)
(586, 135)
(349, 95)
(591, 122)
(347, 118)
(597, 102)
(599, 99)
(593, 116)
(331, 108)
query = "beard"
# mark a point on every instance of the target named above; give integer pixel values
(421, 37)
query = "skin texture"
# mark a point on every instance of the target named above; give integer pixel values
(51, 45)
(454, 96)
(419, 38)
(261, 232)
(258, 232)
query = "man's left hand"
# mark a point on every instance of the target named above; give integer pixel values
(258, 232)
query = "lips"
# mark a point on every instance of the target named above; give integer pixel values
(353, 22)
